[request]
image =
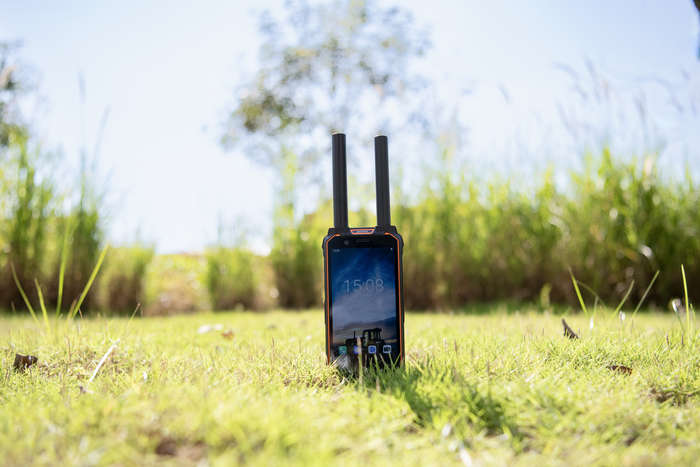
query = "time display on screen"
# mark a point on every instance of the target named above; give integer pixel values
(368, 286)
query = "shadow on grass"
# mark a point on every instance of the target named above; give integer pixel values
(439, 395)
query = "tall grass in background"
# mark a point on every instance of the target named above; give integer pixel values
(295, 258)
(616, 222)
(624, 222)
(474, 240)
(234, 278)
(295, 251)
(52, 245)
(83, 227)
(37, 229)
(121, 285)
(470, 240)
(28, 209)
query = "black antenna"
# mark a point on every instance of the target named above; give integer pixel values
(340, 182)
(381, 166)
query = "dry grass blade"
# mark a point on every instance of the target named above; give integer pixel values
(136, 310)
(568, 332)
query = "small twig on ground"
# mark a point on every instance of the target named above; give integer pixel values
(568, 332)
(104, 357)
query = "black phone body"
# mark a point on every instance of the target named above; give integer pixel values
(364, 297)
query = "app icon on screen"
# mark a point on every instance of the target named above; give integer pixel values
(372, 349)
(342, 350)
(355, 350)
(386, 348)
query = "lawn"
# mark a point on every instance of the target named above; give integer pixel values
(477, 390)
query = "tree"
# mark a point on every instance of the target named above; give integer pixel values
(343, 65)
(10, 89)
(338, 66)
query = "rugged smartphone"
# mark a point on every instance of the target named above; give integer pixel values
(363, 275)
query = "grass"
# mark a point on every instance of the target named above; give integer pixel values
(504, 388)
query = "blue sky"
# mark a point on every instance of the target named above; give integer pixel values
(167, 71)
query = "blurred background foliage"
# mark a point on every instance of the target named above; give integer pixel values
(613, 220)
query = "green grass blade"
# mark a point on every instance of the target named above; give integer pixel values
(136, 310)
(21, 292)
(624, 299)
(41, 302)
(687, 305)
(578, 293)
(62, 270)
(76, 307)
(646, 292)
(590, 290)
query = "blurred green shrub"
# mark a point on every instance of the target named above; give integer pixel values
(121, 283)
(175, 284)
(84, 226)
(297, 263)
(233, 277)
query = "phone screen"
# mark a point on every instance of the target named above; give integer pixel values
(364, 301)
